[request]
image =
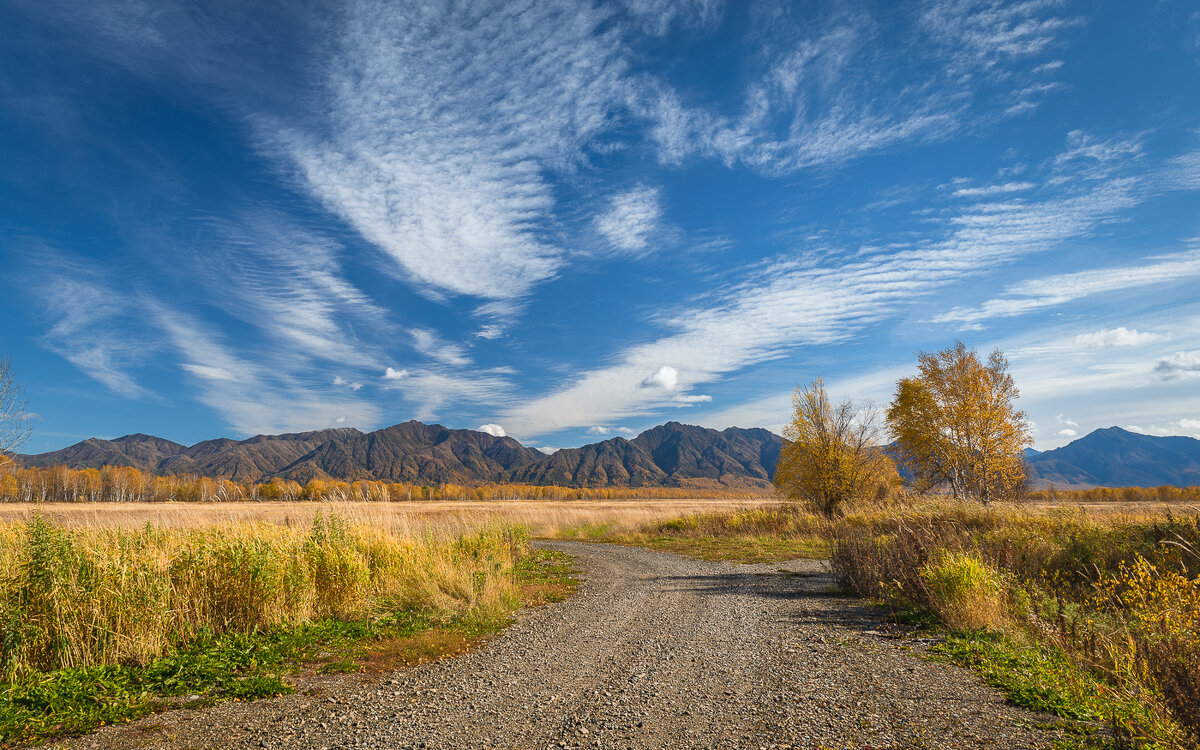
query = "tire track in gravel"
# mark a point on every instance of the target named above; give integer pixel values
(654, 651)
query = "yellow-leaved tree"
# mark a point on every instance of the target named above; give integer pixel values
(831, 455)
(956, 425)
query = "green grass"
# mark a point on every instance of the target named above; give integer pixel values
(1041, 678)
(42, 705)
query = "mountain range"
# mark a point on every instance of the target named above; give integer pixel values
(672, 454)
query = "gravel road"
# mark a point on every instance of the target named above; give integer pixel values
(654, 651)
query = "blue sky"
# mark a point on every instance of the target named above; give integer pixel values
(573, 221)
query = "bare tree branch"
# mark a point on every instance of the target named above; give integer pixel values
(14, 423)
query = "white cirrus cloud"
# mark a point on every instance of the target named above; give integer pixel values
(442, 122)
(494, 430)
(433, 346)
(631, 219)
(989, 191)
(209, 372)
(429, 391)
(657, 17)
(1060, 289)
(835, 90)
(89, 325)
(821, 300)
(254, 397)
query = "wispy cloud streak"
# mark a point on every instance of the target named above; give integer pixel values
(442, 125)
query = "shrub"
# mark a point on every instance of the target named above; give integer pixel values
(964, 592)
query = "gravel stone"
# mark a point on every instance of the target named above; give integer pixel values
(654, 651)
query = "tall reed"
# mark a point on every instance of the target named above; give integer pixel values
(90, 596)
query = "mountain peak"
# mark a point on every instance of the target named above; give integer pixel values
(1115, 457)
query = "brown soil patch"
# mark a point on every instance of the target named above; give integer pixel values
(410, 650)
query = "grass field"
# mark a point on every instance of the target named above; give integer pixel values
(539, 517)
(106, 617)
(1090, 611)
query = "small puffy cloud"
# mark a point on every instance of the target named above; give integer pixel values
(627, 431)
(340, 420)
(547, 449)
(697, 399)
(343, 383)
(210, 373)
(598, 429)
(667, 378)
(1068, 432)
(1120, 336)
(494, 430)
(1179, 364)
(1190, 424)
(390, 374)
(632, 217)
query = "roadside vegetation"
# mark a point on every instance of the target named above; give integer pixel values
(1093, 618)
(102, 625)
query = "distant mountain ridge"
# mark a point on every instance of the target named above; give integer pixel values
(1113, 457)
(672, 454)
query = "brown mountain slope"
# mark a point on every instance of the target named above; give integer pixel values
(671, 454)
(143, 452)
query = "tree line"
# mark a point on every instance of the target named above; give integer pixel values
(124, 484)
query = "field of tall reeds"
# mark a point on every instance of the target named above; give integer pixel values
(100, 624)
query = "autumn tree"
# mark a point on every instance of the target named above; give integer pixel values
(831, 455)
(14, 426)
(956, 425)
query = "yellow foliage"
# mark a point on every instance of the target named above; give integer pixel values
(127, 484)
(956, 425)
(831, 457)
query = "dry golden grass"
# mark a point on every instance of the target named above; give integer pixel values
(541, 518)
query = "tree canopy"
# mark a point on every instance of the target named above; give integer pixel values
(831, 455)
(956, 425)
